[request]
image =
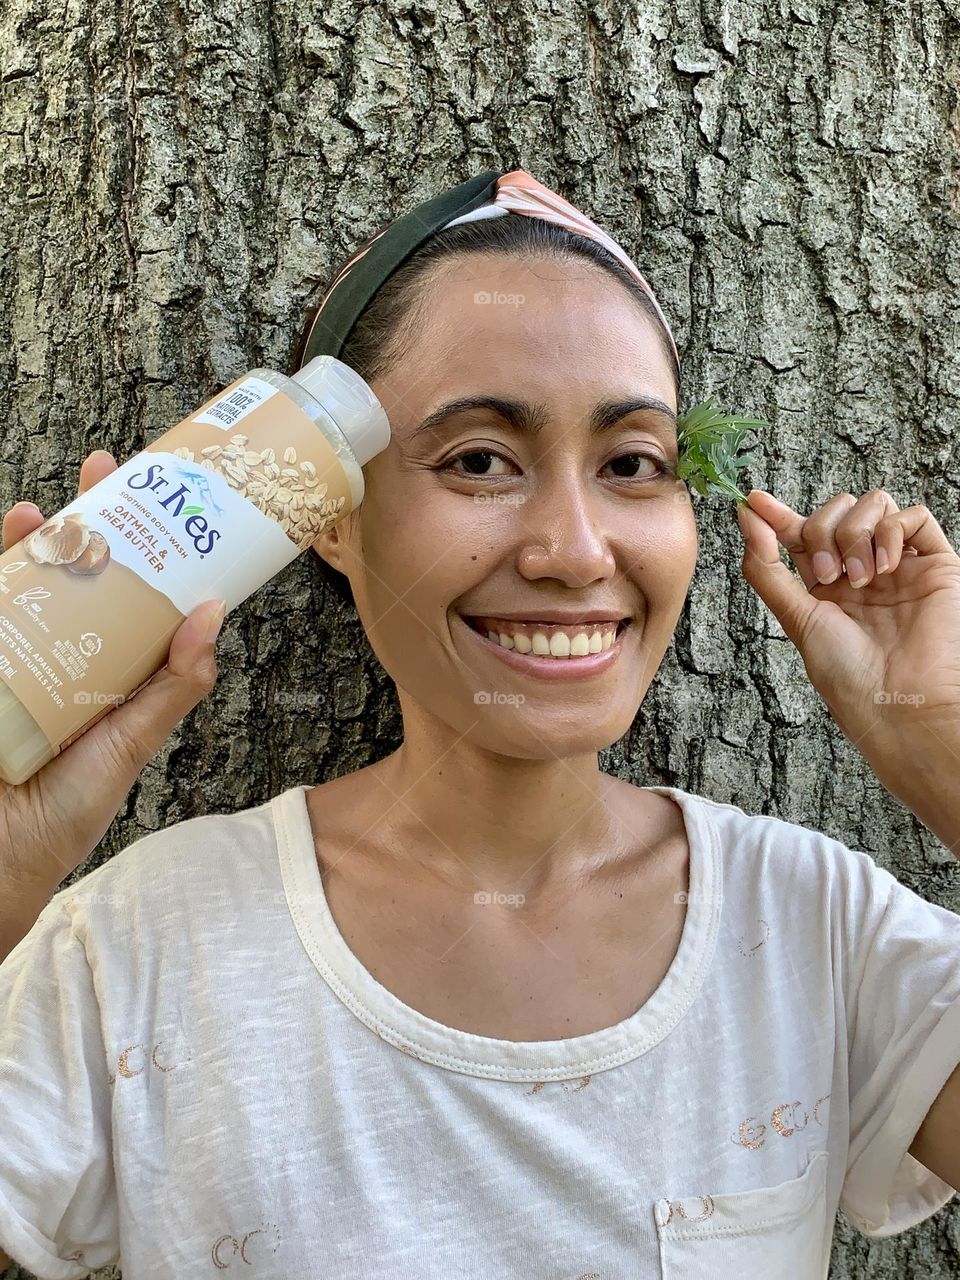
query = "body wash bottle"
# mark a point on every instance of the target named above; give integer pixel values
(213, 508)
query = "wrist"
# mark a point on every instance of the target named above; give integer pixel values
(926, 779)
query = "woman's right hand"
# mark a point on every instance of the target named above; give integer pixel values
(51, 822)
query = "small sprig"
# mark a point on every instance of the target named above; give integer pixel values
(708, 446)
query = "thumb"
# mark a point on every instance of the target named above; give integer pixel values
(774, 582)
(137, 728)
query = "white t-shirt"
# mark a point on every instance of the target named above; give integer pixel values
(197, 1076)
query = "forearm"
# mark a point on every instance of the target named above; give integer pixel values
(940, 817)
(927, 781)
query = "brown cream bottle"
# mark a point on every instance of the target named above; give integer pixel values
(213, 508)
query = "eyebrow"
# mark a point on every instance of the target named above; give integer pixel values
(530, 419)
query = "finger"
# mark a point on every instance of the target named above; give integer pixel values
(854, 534)
(825, 555)
(921, 533)
(21, 519)
(136, 729)
(96, 466)
(24, 517)
(790, 528)
(774, 582)
(888, 536)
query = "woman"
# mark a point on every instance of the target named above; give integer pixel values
(480, 1008)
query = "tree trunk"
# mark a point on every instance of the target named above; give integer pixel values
(177, 178)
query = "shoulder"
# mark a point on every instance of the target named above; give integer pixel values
(763, 831)
(183, 865)
(789, 855)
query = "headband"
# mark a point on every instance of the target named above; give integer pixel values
(488, 195)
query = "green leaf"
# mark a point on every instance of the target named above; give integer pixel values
(192, 511)
(709, 443)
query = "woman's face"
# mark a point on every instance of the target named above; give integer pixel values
(479, 516)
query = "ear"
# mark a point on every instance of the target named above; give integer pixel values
(329, 546)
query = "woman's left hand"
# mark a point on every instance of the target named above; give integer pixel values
(883, 655)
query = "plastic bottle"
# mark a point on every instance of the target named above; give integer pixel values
(213, 508)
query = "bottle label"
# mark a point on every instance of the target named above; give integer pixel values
(214, 507)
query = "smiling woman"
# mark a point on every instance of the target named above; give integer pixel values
(546, 1022)
(531, 476)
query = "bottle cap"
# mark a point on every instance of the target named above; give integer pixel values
(350, 402)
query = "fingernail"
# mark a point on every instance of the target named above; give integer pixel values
(825, 567)
(883, 560)
(856, 572)
(215, 622)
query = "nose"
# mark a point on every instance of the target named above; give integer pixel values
(561, 534)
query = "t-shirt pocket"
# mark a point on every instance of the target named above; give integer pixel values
(778, 1230)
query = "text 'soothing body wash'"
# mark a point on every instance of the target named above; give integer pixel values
(213, 508)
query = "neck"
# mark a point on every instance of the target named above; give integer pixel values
(487, 822)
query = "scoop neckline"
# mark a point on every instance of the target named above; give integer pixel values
(422, 1037)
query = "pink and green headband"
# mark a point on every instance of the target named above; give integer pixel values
(488, 195)
(709, 441)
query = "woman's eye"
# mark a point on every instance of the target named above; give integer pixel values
(631, 460)
(475, 461)
(472, 467)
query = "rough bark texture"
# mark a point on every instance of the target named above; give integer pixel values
(178, 176)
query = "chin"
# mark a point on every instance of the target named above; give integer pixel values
(506, 732)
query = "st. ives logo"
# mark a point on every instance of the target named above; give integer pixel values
(176, 503)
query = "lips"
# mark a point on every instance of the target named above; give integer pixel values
(490, 619)
(552, 656)
(510, 626)
(553, 617)
(559, 640)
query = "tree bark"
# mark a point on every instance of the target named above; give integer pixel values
(178, 177)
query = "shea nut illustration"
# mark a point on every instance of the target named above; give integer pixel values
(94, 558)
(59, 540)
(67, 541)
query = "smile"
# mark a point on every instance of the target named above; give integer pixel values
(549, 651)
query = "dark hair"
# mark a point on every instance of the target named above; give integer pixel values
(386, 328)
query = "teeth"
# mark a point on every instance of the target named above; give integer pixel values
(558, 645)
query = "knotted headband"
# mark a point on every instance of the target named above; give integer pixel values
(489, 194)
